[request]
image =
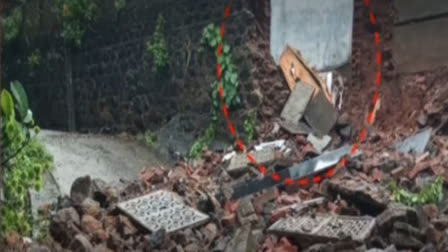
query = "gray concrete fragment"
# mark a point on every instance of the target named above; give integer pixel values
(162, 209)
(297, 102)
(417, 9)
(324, 227)
(320, 114)
(319, 144)
(294, 127)
(240, 163)
(416, 143)
(420, 46)
(320, 29)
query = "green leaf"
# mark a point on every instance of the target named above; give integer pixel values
(29, 117)
(226, 49)
(233, 78)
(213, 43)
(7, 104)
(20, 95)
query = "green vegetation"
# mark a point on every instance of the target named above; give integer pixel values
(24, 160)
(206, 139)
(12, 25)
(432, 193)
(249, 126)
(119, 5)
(157, 47)
(75, 16)
(211, 37)
(34, 59)
(150, 140)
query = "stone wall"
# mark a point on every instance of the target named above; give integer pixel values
(113, 85)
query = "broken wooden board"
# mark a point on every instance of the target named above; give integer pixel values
(240, 163)
(411, 10)
(421, 46)
(325, 227)
(320, 114)
(297, 102)
(295, 69)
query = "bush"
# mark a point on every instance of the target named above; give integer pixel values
(24, 160)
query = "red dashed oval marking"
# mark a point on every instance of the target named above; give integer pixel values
(330, 172)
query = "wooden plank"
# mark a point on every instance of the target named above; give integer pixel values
(294, 69)
(421, 46)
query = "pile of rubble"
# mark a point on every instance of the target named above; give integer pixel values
(224, 203)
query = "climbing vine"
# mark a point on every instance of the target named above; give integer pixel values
(24, 159)
(75, 16)
(211, 38)
(157, 47)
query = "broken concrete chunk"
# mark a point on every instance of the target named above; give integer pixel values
(404, 241)
(294, 127)
(325, 227)
(318, 143)
(162, 210)
(278, 144)
(243, 241)
(297, 102)
(416, 143)
(240, 163)
(396, 212)
(372, 197)
(320, 114)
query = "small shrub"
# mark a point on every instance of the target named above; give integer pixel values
(249, 126)
(432, 193)
(200, 143)
(119, 5)
(157, 47)
(75, 16)
(23, 157)
(150, 140)
(12, 25)
(34, 59)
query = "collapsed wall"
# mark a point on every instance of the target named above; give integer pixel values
(108, 82)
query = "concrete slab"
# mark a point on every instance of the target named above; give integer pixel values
(409, 10)
(294, 127)
(320, 114)
(105, 157)
(162, 209)
(421, 46)
(320, 29)
(297, 102)
(240, 163)
(325, 227)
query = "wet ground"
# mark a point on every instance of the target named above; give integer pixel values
(106, 157)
